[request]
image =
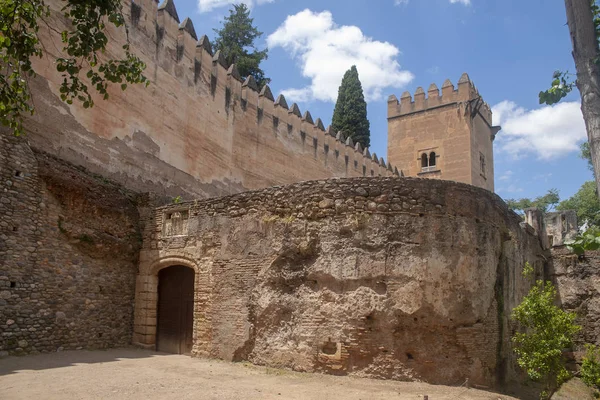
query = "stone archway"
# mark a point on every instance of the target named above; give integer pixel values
(178, 271)
(175, 310)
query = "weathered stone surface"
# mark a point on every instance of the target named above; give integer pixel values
(578, 284)
(315, 278)
(68, 255)
(574, 389)
(391, 278)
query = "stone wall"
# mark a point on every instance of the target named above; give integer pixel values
(389, 277)
(561, 226)
(578, 284)
(68, 255)
(196, 131)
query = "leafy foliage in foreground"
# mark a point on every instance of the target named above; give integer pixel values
(589, 240)
(19, 43)
(546, 331)
(562, 82)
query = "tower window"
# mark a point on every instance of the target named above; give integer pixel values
(482, 163)
(428, 162)
(432, 159)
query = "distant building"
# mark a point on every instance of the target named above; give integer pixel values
(561, 227)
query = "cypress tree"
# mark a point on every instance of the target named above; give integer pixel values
(350, 113)
(236, 40)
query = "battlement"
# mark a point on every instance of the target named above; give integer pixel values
(193, 63)
(443, 135)
(466, 92)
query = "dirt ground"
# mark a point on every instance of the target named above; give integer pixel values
(137, 374)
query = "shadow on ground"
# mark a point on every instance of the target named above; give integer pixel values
(10, 365)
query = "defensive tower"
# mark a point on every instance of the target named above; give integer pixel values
(448, 136)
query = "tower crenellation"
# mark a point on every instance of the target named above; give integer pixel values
(422, 101)
(443, 136)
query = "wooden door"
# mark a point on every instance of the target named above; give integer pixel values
(175, 310)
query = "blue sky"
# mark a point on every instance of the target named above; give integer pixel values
(509, 48)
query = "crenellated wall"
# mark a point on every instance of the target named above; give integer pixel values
(198, 130)
(466, 91)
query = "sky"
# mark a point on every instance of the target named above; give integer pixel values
(509, 48)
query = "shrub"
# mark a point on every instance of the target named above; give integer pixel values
(590, 366)
(546, 331)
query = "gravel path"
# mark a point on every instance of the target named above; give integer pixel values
(137, 374)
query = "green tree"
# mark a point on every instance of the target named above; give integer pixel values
(236, 40)
(83, 42)
(585, 202)
(350, 113)
(543, 203)
(545, 331)
(583, 19)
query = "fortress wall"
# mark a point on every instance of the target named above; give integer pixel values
(196, 131)
(69, 247)
(395, 278)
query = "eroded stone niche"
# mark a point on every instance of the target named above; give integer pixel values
(389, 278)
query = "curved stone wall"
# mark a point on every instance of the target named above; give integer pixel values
(387, 277)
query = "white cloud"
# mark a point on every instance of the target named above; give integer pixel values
(548, 132)
(506, 176)
(326, 51)
(209, 5)
(511, 189)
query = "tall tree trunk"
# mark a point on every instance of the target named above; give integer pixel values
(585, 52)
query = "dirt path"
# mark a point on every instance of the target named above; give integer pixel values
(137, 374)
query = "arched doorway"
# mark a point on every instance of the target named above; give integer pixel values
(175, 310)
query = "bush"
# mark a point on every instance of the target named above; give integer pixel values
(546, 331)
(590, 367)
